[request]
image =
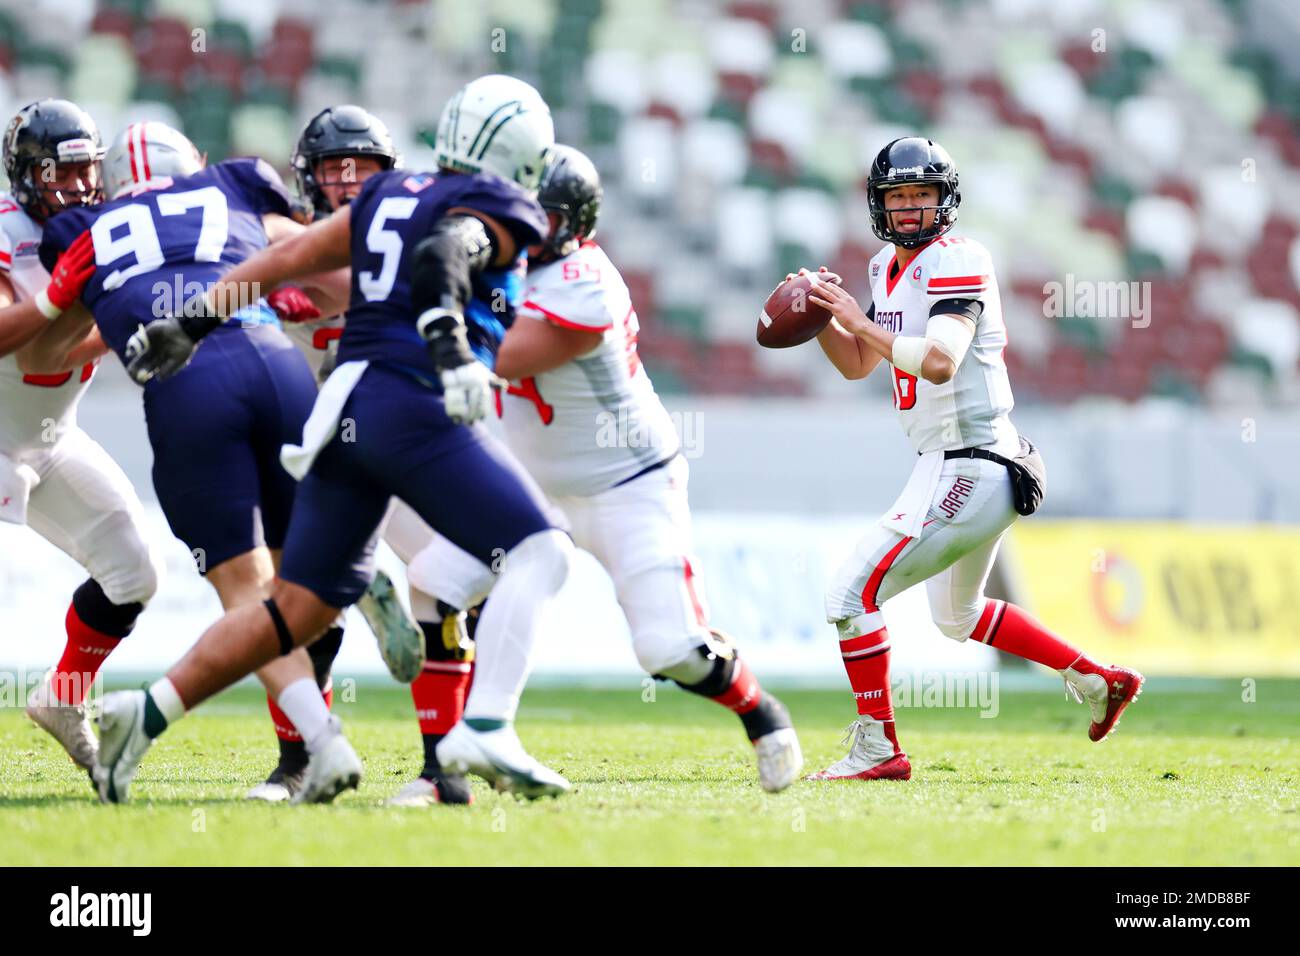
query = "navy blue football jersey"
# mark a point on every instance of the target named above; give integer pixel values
(394, 211)
(156, 248)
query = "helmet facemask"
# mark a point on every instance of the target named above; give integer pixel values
(882, 218)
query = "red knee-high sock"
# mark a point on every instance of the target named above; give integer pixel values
(743, 694)
(866, 660)
(439, 694)
(83, 655)
(284, 728)
(1011, 629)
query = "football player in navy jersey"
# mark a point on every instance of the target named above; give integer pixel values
(397, 418)
(171, 227)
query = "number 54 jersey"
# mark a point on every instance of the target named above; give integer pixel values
(972, 409)
(595, 421)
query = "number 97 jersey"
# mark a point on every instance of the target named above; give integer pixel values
(972, 409)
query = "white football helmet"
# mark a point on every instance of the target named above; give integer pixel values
(148, 151)
(496, 124)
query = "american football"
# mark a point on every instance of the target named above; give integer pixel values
(789, 317)
(393, 471)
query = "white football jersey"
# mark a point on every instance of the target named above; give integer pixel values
(971, 410)
(315, 340)
(595, 421)
(35, 410)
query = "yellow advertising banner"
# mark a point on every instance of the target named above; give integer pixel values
(1166, 598)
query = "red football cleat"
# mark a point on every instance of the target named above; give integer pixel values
(873, 755)
(1106, 690)
(1122, 688)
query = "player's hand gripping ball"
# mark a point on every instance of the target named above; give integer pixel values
(791, 316)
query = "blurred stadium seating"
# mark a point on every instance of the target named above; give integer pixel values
(1101, 140)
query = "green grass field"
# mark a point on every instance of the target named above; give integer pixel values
(1194, 776)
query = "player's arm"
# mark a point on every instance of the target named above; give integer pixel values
(442, 269)
(69, 342)
(847, 352)
(504, 247)
(933, 357)
(321, 247)
(327, 292)
(21, 322)
(164, 346)
(533, 346)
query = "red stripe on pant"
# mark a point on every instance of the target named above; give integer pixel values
(872, 587)
(866, 661)
(701, 618)
(439, 694)
(284, 728)
(83, 656)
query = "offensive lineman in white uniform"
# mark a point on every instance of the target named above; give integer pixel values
(936, 319)
(582, 416)
(53, 476)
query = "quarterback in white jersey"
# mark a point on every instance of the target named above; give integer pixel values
(582, 416)
(936, 319)
(53, 476)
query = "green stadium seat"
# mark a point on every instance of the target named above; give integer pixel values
(104, 71)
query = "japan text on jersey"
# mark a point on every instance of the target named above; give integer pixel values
(155, 248)
(393, 212)
(972, 409)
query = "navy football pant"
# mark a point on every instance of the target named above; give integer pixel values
(397, 440)
(216, 429)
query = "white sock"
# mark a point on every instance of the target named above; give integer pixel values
(167, 700)
(302, 703)
(531, 574)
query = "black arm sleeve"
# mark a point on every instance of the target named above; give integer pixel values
(966, 308)
(445, 260)
(441, 275)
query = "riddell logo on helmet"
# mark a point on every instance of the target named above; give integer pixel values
(906, 170)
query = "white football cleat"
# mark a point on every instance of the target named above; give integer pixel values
(873, 755)
(401, 641)
(418, 793)
(423, 792)
(269, 792)
(122, 744)
(278, 787)
(66, 723)
(333, 768)
(499, 758)
(779, 759)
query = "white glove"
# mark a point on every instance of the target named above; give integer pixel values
(467, 392)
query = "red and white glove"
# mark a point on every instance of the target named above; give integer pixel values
(71, 273)
(291, 304)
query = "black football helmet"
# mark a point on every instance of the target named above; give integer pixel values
(45, 133)
(913, 159)
(570, 188)
(339, 131)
